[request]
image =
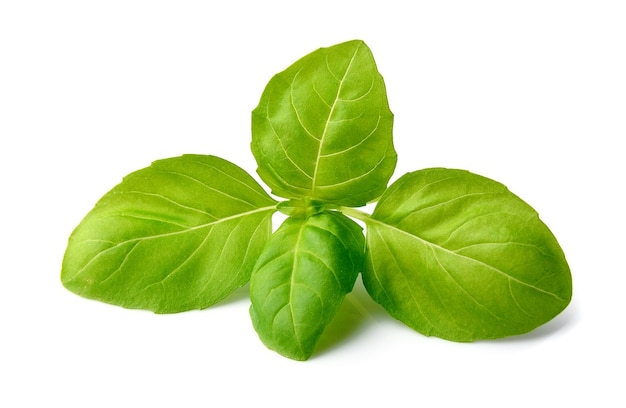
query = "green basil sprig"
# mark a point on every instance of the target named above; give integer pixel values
(447, 252)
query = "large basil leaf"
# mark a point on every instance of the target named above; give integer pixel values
(323, 128)
(181, 234)
(458, 256)
(301, 279)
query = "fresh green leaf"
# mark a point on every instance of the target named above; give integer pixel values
(301, 279)
(181, 234)
(323, 128)
(458, 256)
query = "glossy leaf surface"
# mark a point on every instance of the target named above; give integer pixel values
(458, 256)
(301, 279)
(181, 234)
(323, 128)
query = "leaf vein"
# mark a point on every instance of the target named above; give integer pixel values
(292, 281)
(465, 291)
(295, 109)
(330, 114)
(145, 218)
(206, 186)
(515, 300)
(331, 71)
(258, 191)
(321, 98)
(282, 146)
(168, 200)
(399, 268)
(354, 178)
(174, 233)
(470, 259)
(119, 268)
(358, 98)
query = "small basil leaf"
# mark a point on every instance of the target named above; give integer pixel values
(181, 234)
(301, 278)
(458, 256)
(323, 128)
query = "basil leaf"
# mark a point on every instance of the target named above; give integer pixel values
(181, 234)
(301, 279)
(323, 128)
(458, 256)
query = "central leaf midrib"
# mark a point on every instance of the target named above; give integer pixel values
(328, 120)
(369, 220)
(169, 234)
(292, 283)
(455, 254)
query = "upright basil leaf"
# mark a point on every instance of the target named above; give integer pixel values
(301, 279)
(181, 234)
(323, 128)
(456, 255)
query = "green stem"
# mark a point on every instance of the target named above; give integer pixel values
(354, 213)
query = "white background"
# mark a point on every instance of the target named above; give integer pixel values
(530, 93)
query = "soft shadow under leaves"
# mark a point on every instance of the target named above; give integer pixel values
(356, 312)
